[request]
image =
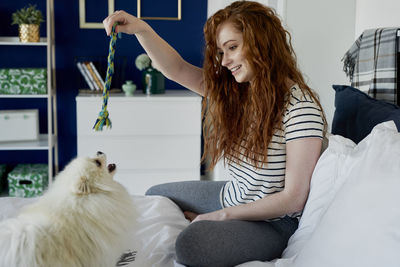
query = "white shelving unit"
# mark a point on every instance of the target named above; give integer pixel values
(47, 141)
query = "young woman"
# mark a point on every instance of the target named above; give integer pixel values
(261, 118)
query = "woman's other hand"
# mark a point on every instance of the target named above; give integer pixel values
(218, 215)
(190, 215)
(127, 23)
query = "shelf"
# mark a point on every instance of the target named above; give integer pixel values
(24, 96)
(41, 144)
(170, 95)
(8, 40)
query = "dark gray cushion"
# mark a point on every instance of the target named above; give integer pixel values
(356, 113)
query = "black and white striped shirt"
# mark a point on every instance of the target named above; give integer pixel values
(302, 119)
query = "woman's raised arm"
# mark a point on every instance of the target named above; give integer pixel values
(165, 58)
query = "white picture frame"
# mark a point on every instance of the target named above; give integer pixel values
(92, 25)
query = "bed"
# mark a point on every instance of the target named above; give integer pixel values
(351, 215)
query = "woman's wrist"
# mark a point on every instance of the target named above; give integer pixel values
(224, 214)
(141, 27)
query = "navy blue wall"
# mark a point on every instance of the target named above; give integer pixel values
(72, 43)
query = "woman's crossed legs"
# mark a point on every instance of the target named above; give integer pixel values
(222, 243)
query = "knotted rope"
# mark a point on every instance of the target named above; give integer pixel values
(103, 119)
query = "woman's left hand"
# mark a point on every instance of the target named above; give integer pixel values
(219, 215)
(190, 215)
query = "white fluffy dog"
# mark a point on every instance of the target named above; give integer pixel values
(83, 220)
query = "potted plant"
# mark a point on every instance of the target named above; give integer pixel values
(28, 19)
(152, 79)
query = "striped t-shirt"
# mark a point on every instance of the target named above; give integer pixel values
(302, 119)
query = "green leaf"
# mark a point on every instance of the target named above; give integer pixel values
(27, 15)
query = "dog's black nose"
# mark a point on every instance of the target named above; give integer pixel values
(99, 153)
(111, 167)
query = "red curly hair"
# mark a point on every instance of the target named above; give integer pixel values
(240, 118)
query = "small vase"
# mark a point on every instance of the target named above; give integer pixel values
(129, 88)
(29, 33)
(153, 81)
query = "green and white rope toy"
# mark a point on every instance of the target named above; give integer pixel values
(103, 119)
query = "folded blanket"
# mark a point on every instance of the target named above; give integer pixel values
(371, 63)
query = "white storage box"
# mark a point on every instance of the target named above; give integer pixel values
(19, 125)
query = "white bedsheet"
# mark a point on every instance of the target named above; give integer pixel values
(153, 239)
(159, 223)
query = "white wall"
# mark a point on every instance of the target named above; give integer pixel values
(322, 31)
(375, 14)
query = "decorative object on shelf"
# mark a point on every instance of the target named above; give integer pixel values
(103, 115)
(142, 61)
(100, 64)
(129, 88)
(24, 81)
(91, 75)
(19, 125)
(152, 80)
(28, 180)
(28, 20)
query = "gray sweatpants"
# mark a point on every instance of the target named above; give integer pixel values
(222, 243)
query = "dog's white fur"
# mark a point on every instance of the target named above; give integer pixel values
(83, 220)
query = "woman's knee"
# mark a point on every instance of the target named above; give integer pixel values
(228, 243)
(153, 191)
(191, 244)
(160, 190)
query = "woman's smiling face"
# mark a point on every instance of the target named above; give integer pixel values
(230, 49)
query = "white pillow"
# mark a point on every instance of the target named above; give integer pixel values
(361, 226)
(325, 182)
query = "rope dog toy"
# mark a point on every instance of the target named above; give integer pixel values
(103, 119)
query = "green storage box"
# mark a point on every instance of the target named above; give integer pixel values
(28, 180)
(26, 81)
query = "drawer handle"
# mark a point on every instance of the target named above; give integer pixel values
(22, 182)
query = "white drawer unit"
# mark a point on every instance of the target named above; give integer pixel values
(154, 139)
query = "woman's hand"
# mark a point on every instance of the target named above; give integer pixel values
(190, 215)
(219, 215)
(126, 23)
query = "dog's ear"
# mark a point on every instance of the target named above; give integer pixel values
(83, 186)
